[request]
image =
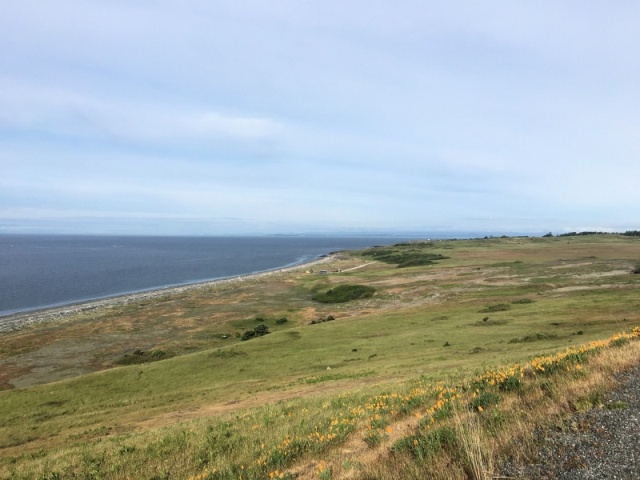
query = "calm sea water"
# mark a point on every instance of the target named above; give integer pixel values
(40, 271)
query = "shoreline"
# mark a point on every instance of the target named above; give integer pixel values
(18, 321)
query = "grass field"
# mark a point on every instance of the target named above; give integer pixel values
(279, 404)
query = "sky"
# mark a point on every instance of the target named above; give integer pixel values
(294, 116)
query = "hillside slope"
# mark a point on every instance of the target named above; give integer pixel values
(211, 403)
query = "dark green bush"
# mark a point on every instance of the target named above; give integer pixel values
(403, 257)
(247, 335)
(328, 318)
(261, 329)
(415, 262)
(521, 301)
(258, 331)
(282, 320)
(344, 293)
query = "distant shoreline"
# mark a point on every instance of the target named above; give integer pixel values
(21, 320)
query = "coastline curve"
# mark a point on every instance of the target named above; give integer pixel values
(21, 320)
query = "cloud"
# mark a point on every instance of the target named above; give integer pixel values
(294, 113)
(45, 110)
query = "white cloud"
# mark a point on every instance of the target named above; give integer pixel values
(33, 109)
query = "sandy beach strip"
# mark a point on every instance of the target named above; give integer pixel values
(18, 321)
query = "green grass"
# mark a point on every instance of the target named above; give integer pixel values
(155, 410)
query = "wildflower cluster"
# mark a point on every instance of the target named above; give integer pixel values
(291, 448)
(445, 396)
(573, 358)
(283, 453)
(505, 380)
(337, 430)
(430, 403)
(206, 474)
(620, 339)
(427, 438)
(323, 470)
(485, 390)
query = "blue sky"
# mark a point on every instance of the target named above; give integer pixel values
(201, 117)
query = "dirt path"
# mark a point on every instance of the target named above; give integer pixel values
(356, 267)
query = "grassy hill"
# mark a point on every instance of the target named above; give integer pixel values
(353, 392)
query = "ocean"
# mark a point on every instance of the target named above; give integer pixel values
(43, 271)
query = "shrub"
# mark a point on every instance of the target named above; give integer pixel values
(328, 318)
(533, 337)
(247, 335)
(416, 262)
(522, 301)
(258, 331)
(636, 269)
(138, 356)
(261, 329)
(344, 293)
(411, 258)
(282, 320)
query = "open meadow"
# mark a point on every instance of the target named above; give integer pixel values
(434, 358)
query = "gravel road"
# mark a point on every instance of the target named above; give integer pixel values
(603, 443)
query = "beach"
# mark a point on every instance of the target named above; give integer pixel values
(18, 321)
